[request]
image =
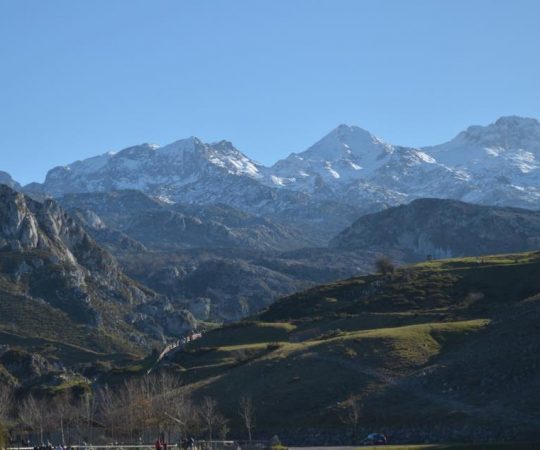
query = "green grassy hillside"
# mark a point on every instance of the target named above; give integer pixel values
(29, 325)
(439, 350)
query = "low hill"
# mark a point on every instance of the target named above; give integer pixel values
(444, 229)
(438, 351)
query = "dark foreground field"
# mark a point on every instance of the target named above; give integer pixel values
(438, 351)
(499, 446)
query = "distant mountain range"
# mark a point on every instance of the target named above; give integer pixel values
(213, 230)
(347, 173)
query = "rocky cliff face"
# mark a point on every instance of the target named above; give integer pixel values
(443, 229)
(46, 256)
(160, 225)
(27, 225)
(5, 178)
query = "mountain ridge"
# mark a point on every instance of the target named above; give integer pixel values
(494, 164)
(444, 228)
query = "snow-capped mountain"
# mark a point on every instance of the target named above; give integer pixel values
(500, 162)
(346, 173)
(192, 172)
(151, 168)
(513, 139)
(355, 166)
(345, 154)
(494, 164)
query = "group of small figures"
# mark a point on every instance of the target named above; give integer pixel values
(49, 446)
(186, 444)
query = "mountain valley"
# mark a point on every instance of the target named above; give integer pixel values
(385, 274)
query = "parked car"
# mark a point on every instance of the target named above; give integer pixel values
(375, 439)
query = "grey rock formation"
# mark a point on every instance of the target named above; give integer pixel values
(5, 178)
(46, 256)
(444, 229)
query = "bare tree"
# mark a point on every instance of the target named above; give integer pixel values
(385, 265)
(208, 411)
(148, 407)
(6, 407)
(183, 417)
(129, 397)
(212, 420)
(107, 409)
(62, 414)
(352, 415)
(6, 402)
(34, 413)
(247, 414)
(145, 406)
(84, 414)
(3, 437)
(164, 397)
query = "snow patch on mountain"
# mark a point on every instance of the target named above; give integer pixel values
(345, 154)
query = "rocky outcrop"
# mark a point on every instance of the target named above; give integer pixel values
(46, 256)
(26, 366)
(444, 229)
(5, 178)
(160, 225)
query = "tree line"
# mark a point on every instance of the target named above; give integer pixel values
(135, 411)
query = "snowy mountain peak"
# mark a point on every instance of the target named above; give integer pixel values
(345, 141)
(183, 145)
(506, 132)
(222, 155)
(516, 121)
(511, 139)
(346, 153)
(344, 132)
(500, 161)
(135, 152)
(151, 168)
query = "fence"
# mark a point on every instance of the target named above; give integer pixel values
(199, 445)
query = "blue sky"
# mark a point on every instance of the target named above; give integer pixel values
(78, 78)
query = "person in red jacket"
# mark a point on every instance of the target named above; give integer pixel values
(158, 444)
